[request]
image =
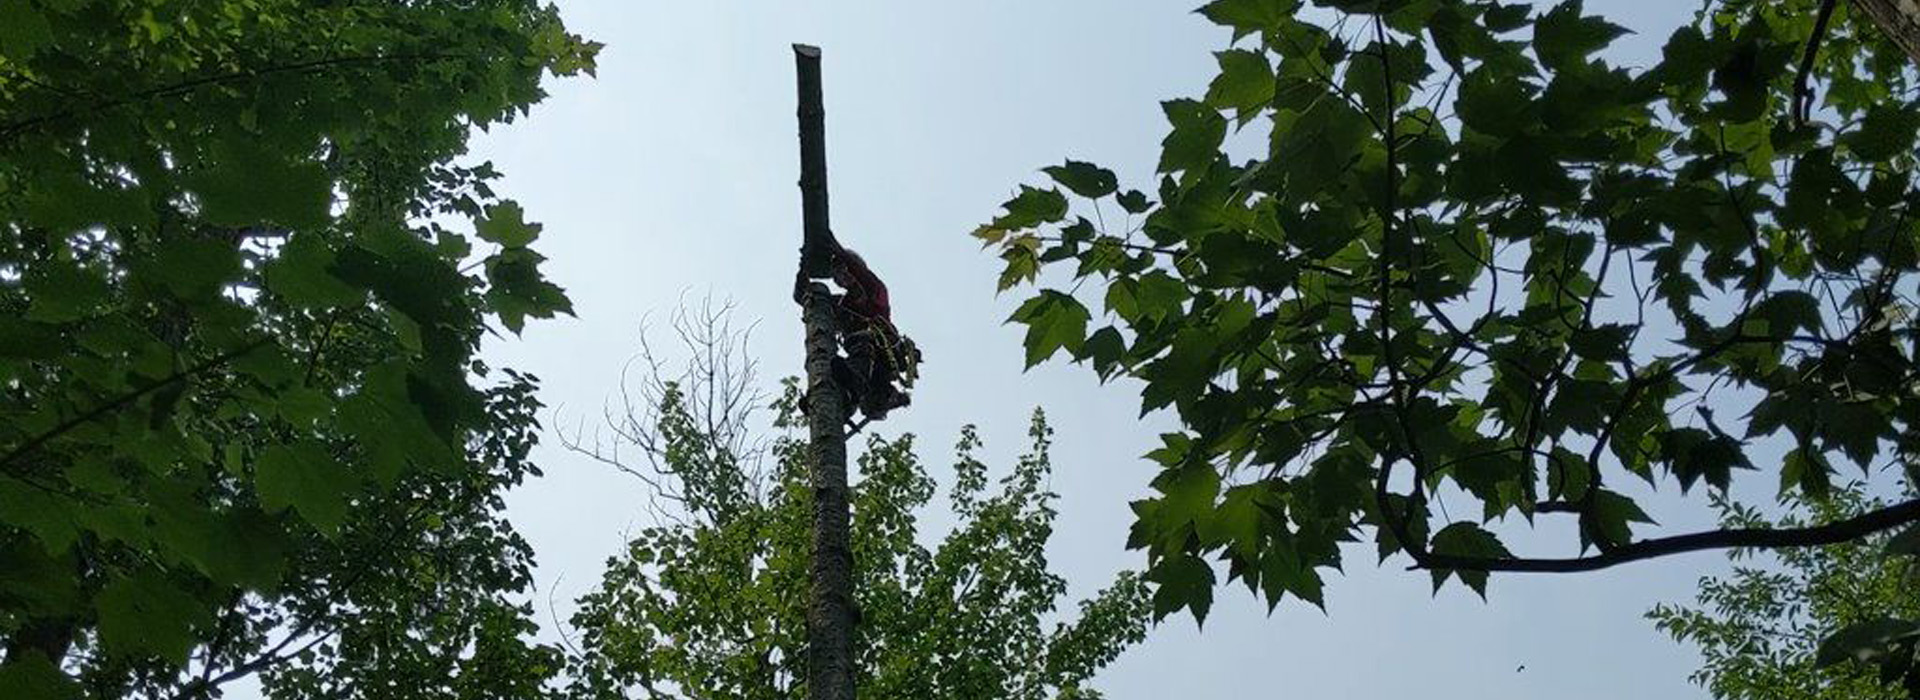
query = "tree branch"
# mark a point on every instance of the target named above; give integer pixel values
(56, 431)
(1802, 90)
(1757, 538)
(12, 129)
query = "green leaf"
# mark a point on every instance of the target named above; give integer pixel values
(1183, 581)
(1886, 132)
(1563, 38)
(28, 675)
(24, 339)
(1160, 296)
(300, 274)
(1610, 520)
(1495, 104)
(144, 615)
(1189, 491)
(1031, 208)
(505, 224)
(1054, 321)
(249, 550)
(409, 277)
(1282, 571)
(1106, 348)
(308, 479)
(1134, 202)
(1023, 265)
(248, 185)
(1603, 343)
(1325, 139)
(1808, 471)
(1245, 82)
(1744, 77)
(46, 514)
(1693, 454)
(196, 268)
(1789, 311)
(1465, 539)
(23, 30)
(1084, 179)
(1236, 523)
(516, 289)
(383, 418)
(1568, 475)
(1688, 56)
(1506, 18)
(1196, 137)
(63, 291)
(1247, 16)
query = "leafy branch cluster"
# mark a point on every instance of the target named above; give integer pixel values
(243, 429)
(1476, 262)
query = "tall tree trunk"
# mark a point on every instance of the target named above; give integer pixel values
(814, 260)
(830, 613)
(1899, 19)
(830, 617)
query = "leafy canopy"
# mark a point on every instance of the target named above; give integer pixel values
(242, 427)
(1471, 272)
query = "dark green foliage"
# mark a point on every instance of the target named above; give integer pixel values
(242, 427)
(1476, 265)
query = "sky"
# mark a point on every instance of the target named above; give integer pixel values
(672, 176)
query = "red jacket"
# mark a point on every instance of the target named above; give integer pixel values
(866, 294)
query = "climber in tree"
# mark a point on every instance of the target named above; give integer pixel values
(881, 364)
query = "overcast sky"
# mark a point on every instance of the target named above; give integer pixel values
(674, 173)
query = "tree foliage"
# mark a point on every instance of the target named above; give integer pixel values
(242, 427)
(1464, 258)
(1764, 630)
(711, 600)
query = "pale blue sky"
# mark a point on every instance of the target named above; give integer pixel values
(674, 172)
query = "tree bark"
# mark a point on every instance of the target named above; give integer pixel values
(830, 618)
(814, 261)
(1899, 19)
(830, 612)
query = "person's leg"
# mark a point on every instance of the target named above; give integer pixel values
(860, 362)
(847, 379)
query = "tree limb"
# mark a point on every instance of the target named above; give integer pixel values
(121, 402)
(12, 129)
(1802, 90)
(1756, 538)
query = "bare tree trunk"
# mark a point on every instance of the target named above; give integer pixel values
(830, 613)
(830, 617)
(814, 260)
(1899, 19)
